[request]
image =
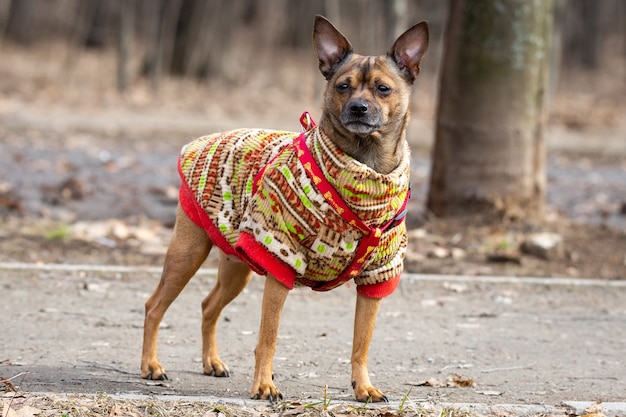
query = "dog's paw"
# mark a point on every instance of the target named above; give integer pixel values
(266, 392)
(154, 372)
(216, 368)
(368, 394)
(224, 373)
(157, 377)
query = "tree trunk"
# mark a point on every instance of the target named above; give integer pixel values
(396, 20)
(125, 38)
(489, 151)
(20, 27)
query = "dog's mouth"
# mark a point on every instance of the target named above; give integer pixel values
(359, 125)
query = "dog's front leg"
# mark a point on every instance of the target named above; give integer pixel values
(364, 322)
(274, 296)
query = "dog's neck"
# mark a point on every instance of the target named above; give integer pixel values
(380, 150)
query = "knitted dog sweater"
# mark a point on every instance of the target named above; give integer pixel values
(260, 196)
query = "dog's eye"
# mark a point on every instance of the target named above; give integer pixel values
(382, 88)
(343, 87)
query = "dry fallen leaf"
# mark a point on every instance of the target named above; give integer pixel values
(594, 410)
(294, 411)
(8, 411)
(453, 381)
(15, 407)
(116, 410)
(28, 411)
(459, 381)
(435, 383)
(7, 383)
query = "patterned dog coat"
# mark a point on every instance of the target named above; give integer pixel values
(297, 207)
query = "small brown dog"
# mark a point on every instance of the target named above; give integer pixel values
(315, 209)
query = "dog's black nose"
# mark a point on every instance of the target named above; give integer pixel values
(359, 108)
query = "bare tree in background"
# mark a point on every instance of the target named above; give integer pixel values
(19, 25)
(159, 36)
(489, 151)
(208, 38)
(125, 39)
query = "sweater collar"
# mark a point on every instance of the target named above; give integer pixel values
(376, 199)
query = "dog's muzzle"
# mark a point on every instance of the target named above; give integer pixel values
(358, 116)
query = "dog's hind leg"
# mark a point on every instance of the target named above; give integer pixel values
(189, 247)
(232, 278)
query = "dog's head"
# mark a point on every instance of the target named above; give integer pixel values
(368, 94)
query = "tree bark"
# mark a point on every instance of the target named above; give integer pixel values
(19, 23)
(489, 150)
(125, 38)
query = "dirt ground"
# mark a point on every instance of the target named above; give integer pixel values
(88, 177)
(444, 340)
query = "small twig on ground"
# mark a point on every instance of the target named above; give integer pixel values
(508, 368)
(106, 367)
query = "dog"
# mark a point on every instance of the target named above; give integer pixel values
(316, 209)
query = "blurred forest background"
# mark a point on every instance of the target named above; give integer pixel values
(226, 40)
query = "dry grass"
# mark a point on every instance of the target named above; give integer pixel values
(15, 403)
(83, 405)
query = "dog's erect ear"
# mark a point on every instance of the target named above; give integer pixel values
(330, 46)
(408, 50)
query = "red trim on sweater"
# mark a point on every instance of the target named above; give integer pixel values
(380, 290)
(262, 261)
